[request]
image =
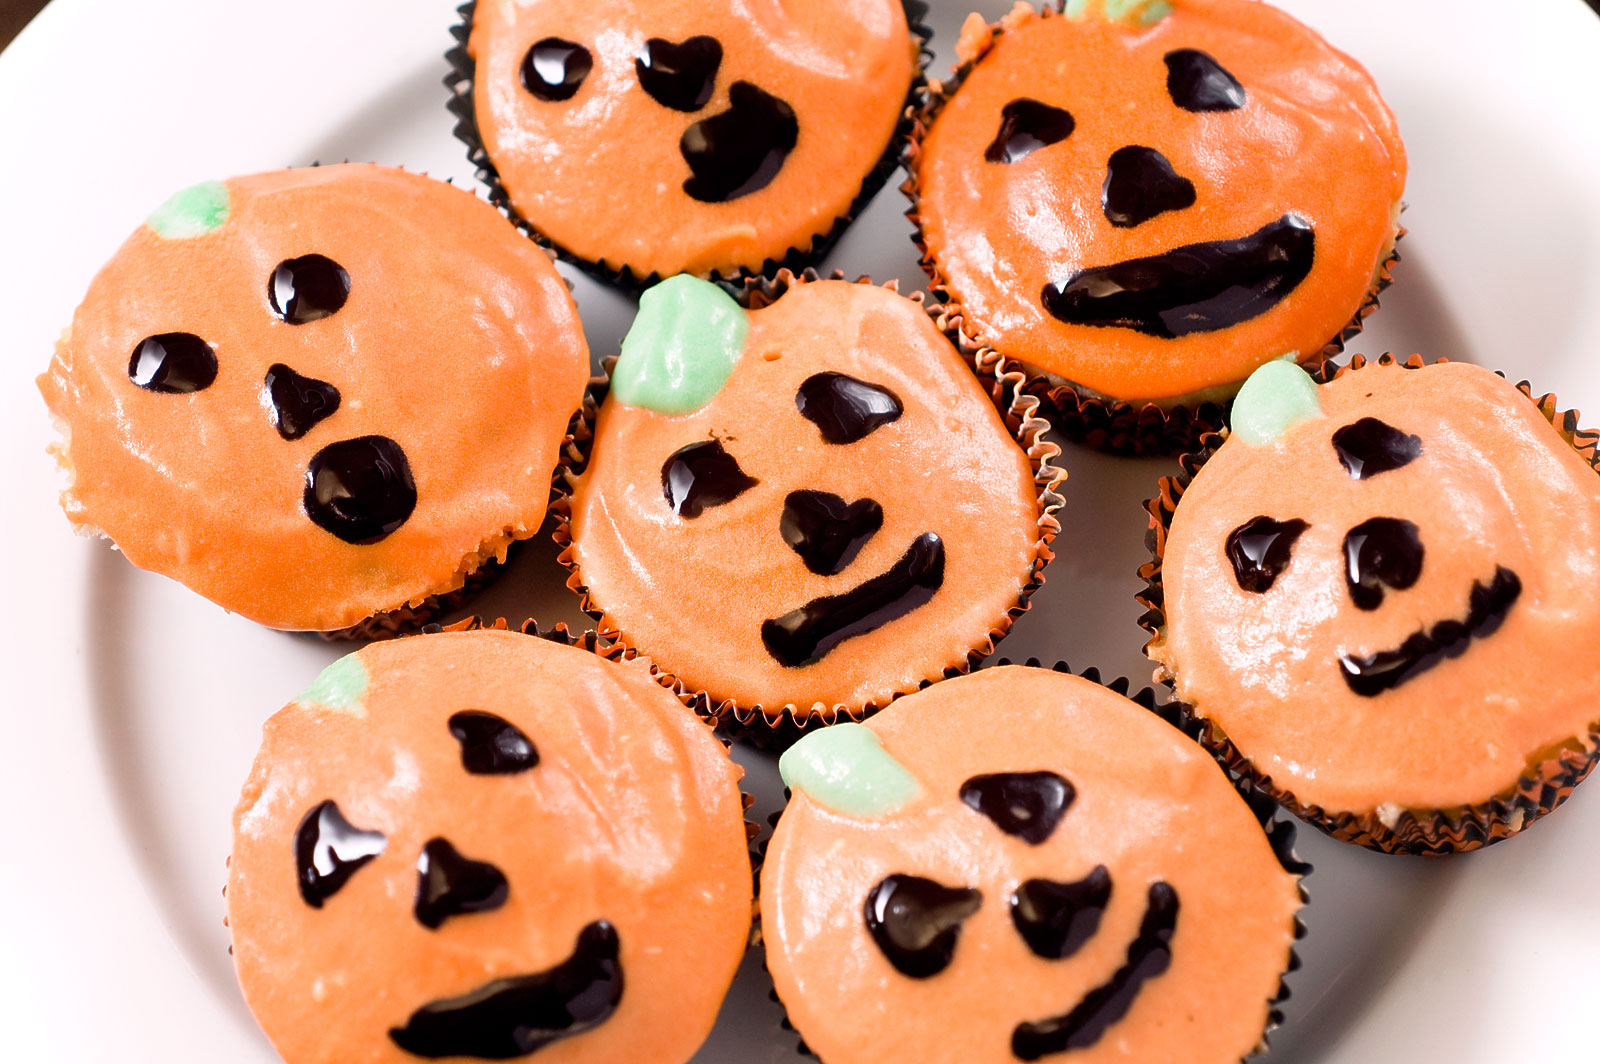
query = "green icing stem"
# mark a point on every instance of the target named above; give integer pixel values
(846, 768)
(681, 348)
(339, 686)
(1276, 396)
(190, 212)
(1149, 12)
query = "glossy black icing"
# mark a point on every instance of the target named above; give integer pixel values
(738, 151)
(806, 635)
(515, 1016)
(1027, 805)
(1380, 552)
(1372, 674)
(1191, 289)
(1055, 919)
(915, 922)
(1259, 550)
(554, 69)
(1197, 82)
(172, 363)
(360, 489)
(845, 408)
(328, 850)
(1026, 126)
(700, 475)
(449, 884)
(1369, 446)
(825, 530)
(679, 75)
(1140, 184)
(491, 745)
(307, 289)
(1149, 955)
(295, 404)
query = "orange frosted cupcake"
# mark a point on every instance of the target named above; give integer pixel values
(483, 845)
(684, 136)
(808, 506)
(1374, 594)
(1144, 201)
(316, 396)
(1020, 864)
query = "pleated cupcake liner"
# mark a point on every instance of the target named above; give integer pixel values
(774, 728)
(460, 82)
(1279, 829)
(1080, 414)
(1549, 777)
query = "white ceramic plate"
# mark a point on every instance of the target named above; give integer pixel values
(133, 707)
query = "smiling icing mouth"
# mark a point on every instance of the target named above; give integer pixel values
(1488, 605)
(1190, 289)
(515, 1016)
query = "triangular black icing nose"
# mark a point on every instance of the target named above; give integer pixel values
(360, 490)
(1140, 184)
(295, 404)
(449, 884)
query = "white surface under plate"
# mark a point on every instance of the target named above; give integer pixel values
(134, 707)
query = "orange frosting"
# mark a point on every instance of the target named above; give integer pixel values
(1150, 806)
(1313, 139)
(694, 592)
(632, 815)
(1494, 486)
(601, 173)
(458, 341)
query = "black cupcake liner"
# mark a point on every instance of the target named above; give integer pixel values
(1115, 426)
(776, 728)
(1548, 780)
(461, 104)
(1279, 829)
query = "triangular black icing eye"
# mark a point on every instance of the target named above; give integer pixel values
(916, 922)
(1025, 127)
(1259, 550)
(1369, 447)
(1197, 82)
(701, 475)
(1027, 805)
(680, 76)
(307, 289)
(554, 69)
(449, 884)
(844, 408)
(173, 363)
(328, 850)
(1056, 919)
(492, 745)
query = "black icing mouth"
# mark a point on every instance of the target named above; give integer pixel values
(1487, 607)
(1191, 289)
(515, 1016)
(1149, 955)
(806, 635)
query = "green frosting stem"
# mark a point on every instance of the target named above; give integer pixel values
(1145, 12)
(340, 686)
(846, 768)
(190, 212)
(1276, 396)
(681, 347)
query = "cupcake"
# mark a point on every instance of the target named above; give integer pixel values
(1374, 594)
(1017, 864)
(484, 844)
(808, 506)
(322, 398)
(1142, 202)
(683, 136)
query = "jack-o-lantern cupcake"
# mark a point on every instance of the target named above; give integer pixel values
(322, 398)
(1374, 594)
(1020, 865)
(1143, 201)
(482, 845)
(685, 136)
(809, 506)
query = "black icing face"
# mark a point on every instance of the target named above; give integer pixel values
(825, 530)
(916, 921)
(505, 1017)
(1194, 288)
(1379, 555)
(731, 153)
(359, 489)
